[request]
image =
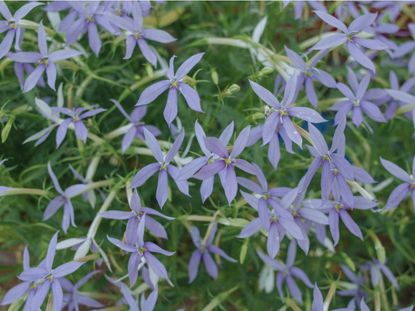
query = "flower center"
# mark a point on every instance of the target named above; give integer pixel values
(338, 206)
(163, 166)
(174, 84)
(12, 25)
(356, 102)
(228, 161)
(44, 61)
(137, 35)
(90, 19)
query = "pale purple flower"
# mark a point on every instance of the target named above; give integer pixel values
(318, 303)
(277, 221)
(340, 210)
(299, 6)
(278, 118)
(336, 170)
(141, 253)
(137, 126)
(224, 162)
(64, 199)
(44, 59)
(357, 291)
(75, 117)
(73, 298)
(351, 37)
(394, 103)
(174, 84)
(376, 269)
(203, 252)
(308, 74)
(37, 281)
(135, 216)
(136, 35)
(146, 304)
(12, 26)
(358, 101)
(195, 165)
(89, 195)
(287, 273)
(163, 166)
(404, 97)
(90, 15)
(407, 48)
(20, 69)
(407, 187)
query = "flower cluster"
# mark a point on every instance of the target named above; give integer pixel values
(301, 112)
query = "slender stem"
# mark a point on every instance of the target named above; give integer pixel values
(30, 191)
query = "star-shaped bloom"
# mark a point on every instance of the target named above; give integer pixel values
(407, 187)
(135, 216)
(146, 304)
(90, 14)
(73, 298)
(395, 92)
(44, 59)
(137, 127)
(203, 252)
(407, 48)
(225, 162)
(12, 25)
(287, 273)
(64, 199)
(356, 289)
(406, 99)
(339, 209)
(37, 281)
(336, 170)
(357, 101)
(352, 37)
(277, 221)
(278, 118)
(308, 74)
(75, 117)
(163, 166)
(175, 84)
(142, 253)
(378, 268)
(136, 34)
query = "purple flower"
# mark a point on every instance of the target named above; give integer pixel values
(351, 36)
(318, 303)
(308, 74)
(12, 26)
(76, 116)
(196, 164)
(224, 163)
(73, 298)
(339, 209)
(136, 34)
(203, 252)
(128, 298)
(135, 216)
(358, 101)
(64, 199)
(394, 102)
(278, 118)
(376, 269)
(174, 84)
(407, 187)
(45, 60)
(20, 69)
(163, 166)
(141, 254)
(288, 272)
(277, 221)
(357, 290)
(299, 6)
(39, 280)
(406, 48)
(336, 170)
(137, 126)
(90, 15)
(405, 98)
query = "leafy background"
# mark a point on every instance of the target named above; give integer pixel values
(108, 76)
